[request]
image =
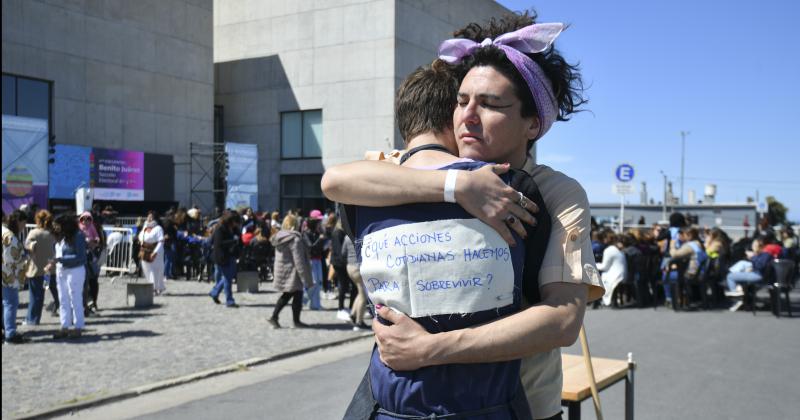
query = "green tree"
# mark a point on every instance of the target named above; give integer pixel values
(776, 211)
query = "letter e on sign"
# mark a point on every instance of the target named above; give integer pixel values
(624, 173)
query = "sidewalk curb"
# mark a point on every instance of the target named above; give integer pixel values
(181, 380)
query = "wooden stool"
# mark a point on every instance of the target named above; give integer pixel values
(607, 372)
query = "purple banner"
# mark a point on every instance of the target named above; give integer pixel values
(117, 174)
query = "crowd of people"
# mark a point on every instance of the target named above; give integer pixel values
(681, 265)
(307, 259)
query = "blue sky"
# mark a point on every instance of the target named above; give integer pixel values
(726, 71)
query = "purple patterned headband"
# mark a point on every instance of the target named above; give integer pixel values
(528, 40)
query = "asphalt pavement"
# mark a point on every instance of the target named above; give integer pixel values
(691, 365)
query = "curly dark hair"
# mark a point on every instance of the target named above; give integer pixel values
(65, 226)
(564, 77)
(14, 219)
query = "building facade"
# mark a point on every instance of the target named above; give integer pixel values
(312, 83)
(130, 75)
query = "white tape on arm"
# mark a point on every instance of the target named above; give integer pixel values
(450, 186)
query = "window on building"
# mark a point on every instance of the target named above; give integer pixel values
(303, 192)
(26, 97)
(9, 95)
(301, 134)
(33, 98)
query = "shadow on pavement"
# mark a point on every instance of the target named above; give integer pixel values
(89, 337)
(257, 305)
(338, 326)
(106, 321)
(131, 308)
(172, 294)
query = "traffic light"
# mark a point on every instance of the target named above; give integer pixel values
(224, 167)
(51, 149)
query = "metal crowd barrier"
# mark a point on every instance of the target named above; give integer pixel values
(119, 251)
(118, 255)
(24, 234)
(126, 220)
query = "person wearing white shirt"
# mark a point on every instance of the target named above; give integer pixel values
(152, 239)
(613, 267)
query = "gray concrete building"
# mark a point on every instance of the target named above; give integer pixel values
(135, 75)
(312, 83)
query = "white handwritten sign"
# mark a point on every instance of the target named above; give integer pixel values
(441, 267)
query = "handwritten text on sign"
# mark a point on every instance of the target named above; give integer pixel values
(439, 267)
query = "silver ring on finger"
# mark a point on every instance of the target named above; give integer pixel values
(511, 220)
(523, 201)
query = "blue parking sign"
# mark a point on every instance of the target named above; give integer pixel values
(624, 172)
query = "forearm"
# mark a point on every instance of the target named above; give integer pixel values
(554, 323)
(372, 183)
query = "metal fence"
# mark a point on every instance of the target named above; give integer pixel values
(118, 255)
(126, 220)
(24, 233)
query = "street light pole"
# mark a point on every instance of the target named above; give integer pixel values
(683, 159)
(664, 207)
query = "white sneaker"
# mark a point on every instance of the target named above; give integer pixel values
(736, 305)
(734, 293)
(343, 315)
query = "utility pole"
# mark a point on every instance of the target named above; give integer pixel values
(683, 159)
(664, 207)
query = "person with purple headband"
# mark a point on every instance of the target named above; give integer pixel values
(514, 86)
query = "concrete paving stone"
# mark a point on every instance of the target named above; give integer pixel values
(122, 347)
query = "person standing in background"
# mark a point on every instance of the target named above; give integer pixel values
(226, 245)
(339, 266)
(274, 224)
(151, 252)
(329, 275)
(95, 243)
(315, 243)
(13, 274)
(613, 266)
(70, 262)
(360, 304)
(170, 239)
(292, 271)
(41, 245)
